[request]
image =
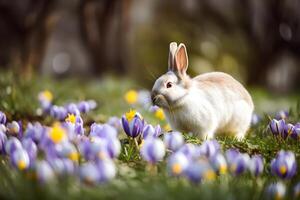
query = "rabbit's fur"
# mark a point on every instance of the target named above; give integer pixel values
(207, 104)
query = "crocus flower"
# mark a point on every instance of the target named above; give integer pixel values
(150, 131)
(297, 190)
(12, 144)
(277, 127)
(62, 166)
(20, 159)
(283, 114)
(67, 150)
(276, 191)
(255, 119)
(2, 118)
(113, 147)
(133, 123)
(288, 130)
(296, 132)
(209, 148)
(106, 169)
(177, 164)
(94, 149)
(256, 165)
(57, 133)
(3, 139)
(72, 109)
(103, 131)
(231, 154)
(115, 122)
(31, 149)
(191, 151)
(239, 164)
(153, 150)
(44, 171)
(35, 131)
(284, 165)
(173, 140)
(83, 106)
(13, 128)
(131, 96)
(58, 112)
(45, 99)
(218, 163)
(199, 170)
(3, 128)
(74, 125)
(89, 173)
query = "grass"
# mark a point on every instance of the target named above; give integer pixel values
(18, 98)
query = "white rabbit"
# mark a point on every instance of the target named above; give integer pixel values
(207, 104)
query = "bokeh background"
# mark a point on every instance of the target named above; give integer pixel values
(256, 41)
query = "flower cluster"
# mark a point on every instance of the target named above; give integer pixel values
(280, 128)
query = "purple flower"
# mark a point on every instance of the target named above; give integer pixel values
(106, 169)
(35, 131)
(231, 154)
(72, 109)
(150, 131)
(20, 159)
(173, 140)
(67, 150)
(255, 119)
(276, 191)
(113, 147)
(133, 124)
(58, 112)
(12, 144)
(2, 118)
(89, 173)
(191, 151)
(284, 165)
(3, 128)
(31, 149)
(199, 170)
(177, 164)
(283, 114)
(3, 139)
(256, 165)
(277, 127)
(44, 171)
(83, 106)
(218, 163)
(103, 131)
(296, 132)
(62, 166)
(95, 149)
(115, 122)
(238, 164)
(209, 148)
(13, 128)
(153, 150)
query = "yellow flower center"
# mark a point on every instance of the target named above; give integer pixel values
(209, 175)
(131, 96)
(57, 133)
(176, 168)
(282, 169)
(21, 165)
(71, 118)
(223, 169)
(130, 115)
(167, 127)
(74, 156)
(47, 95)
(159, 113)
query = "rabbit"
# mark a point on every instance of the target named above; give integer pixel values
(208, 104)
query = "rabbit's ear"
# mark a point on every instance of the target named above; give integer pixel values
(172, 51)
(181, 60)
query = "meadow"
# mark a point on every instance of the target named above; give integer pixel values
(134, 178)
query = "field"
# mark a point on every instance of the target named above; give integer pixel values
(18, 99)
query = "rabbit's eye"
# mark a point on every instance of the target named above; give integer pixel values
(169, 84)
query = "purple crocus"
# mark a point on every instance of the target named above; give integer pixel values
(13, 128)
(62, 166)
(296, 132)
(277, 127)
(239, 163)
(106, 169)
(3, 139)
(288, 130)
(89, 173)
(209, 148)
(12, 144)
(115, 122)
(256, 165)
(58, 112)
(231, 154)
(153, 150)
(103, 131)
(94, 149)
(177, 164)
(150, 131)
(2, 118)
(83, 106)
(276, 191)
(218, 163)
(284, 165)
(173, 140)
(255, 119)
(199, 170)
(31, 149)
(35, 131)
(72, 109)
(133, 124)
(191, 151)
(20, 159)
(44, 172)
(283, 114)
(67, 150)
